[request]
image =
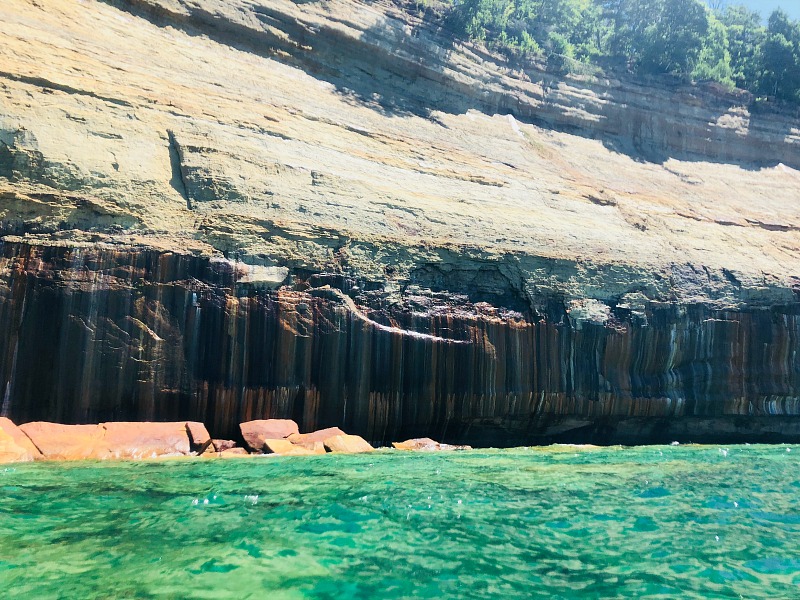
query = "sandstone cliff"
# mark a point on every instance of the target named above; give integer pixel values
(230, 210)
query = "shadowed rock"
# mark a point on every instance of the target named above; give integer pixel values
(222, 445)
(199, 437)
(255, 433)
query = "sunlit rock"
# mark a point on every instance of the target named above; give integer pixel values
(347, 443)
(234, 453)
(315, 437)
(15, 446)
(426, 444)
(146, 440)
(255, 433)
(286, 448)
(68, 442)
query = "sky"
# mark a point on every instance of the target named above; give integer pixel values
(765, 7)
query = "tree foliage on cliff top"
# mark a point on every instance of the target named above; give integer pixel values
(647, 37)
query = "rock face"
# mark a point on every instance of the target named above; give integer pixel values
(229, 210)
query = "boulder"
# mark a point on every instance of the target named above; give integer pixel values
(285, 448)
(199, 438)
(234, 453)
(222, 445)
(255, 433)
(310, 439)
(15, 446)
(347, 443)
(128, 440)
(67, 442)
(426, 445)
(313, 447)
(15, 439)
(146, 440)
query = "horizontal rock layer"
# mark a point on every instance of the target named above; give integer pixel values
(98, 335)
(228, 210)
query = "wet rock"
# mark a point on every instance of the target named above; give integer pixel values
(222, 445)
(199, 437)
(15, 446)
(347, 443)
(285, 448)
(133, 440)
(67, 442)
(255, 433)
(426, 444)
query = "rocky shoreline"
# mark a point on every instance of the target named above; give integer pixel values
(39, 440)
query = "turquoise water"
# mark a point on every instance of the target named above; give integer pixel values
(649, 522)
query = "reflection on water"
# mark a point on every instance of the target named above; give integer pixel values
(658, 522)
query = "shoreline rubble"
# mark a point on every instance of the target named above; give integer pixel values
(126, 440)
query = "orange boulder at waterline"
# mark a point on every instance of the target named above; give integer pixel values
(255, 433)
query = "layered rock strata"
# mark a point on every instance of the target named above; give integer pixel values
(162, 335)
(226, 211)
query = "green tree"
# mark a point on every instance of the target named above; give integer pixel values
(780, 54)
(672, 43)
(746, 35)
(714, 60)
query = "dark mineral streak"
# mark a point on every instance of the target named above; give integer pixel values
(99, 334)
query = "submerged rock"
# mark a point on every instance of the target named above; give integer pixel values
(255, 433)
(347, 443)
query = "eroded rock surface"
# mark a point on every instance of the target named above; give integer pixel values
(350, 444)
(256, 433)
(228, 210)
(116, 440)
(15, 446)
